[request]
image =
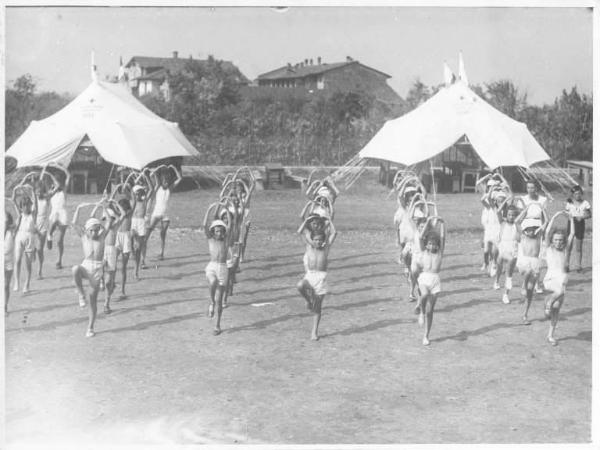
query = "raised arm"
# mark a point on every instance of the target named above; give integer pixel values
(29, 175)
(548, 234)
(75, 221)
(303, 213)
(205, 223)
(178, 176)
(332, 233)
(442, 235)
(570, 242)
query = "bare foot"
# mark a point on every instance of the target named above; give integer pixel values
(26, 290)
(216, 331)
(59, 265)
(496, 285)
(314, 337)
(40, 276)
(505, 299)
(16, 287)
(161, 257)
(107, 309)
(412, 298)
(526, 321)
(552, 341)
(123, 296)
(425, 341)
(90, 333)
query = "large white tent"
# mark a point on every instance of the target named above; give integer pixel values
(437, 124)
(123, 131)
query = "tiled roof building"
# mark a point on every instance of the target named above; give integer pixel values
(150, 75)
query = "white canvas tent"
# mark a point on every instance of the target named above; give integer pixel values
(123, 131)
(443, 119)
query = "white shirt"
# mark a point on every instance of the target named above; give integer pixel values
(58, 201)
(577, 210)
(160, 201)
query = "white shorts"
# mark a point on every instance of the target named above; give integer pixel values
(110, 258)
(490, 234)
(93, 270)
(218, 270)
(318, 281)
(138, 226)
(58, 215)
(159, 217)
(24, 242)
(429, 283)
(556, 282)
(526, 264)
(123, 243)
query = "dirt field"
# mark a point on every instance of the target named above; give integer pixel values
(154, 373)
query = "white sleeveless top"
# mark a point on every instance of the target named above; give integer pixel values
(58, 201)
(161, 200)
(27, 224)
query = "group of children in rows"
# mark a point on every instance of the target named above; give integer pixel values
(226, 226)
(517, 234)
(116, 225)
(318, 234)
(421, 237)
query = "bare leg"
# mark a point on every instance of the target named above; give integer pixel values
(314, 336)
(92, 312)
(420, 309)
(28, 268)
(124, 261)
(494, 260)
(149, 231)
(307, 292)
(78, 275)
(7, 277)
(219, 300)
(499, 265)
(510, 267)
(212, 288)
(137, 253)
(17, 272)
(40, 254)
(163, 238)
(429, 317)
(529, 285)
(110, 288)
(62, 229)
(556, 303)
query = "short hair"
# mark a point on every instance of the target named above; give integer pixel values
(558, 231)
(576, 188)
(124, 203)
(512, 208)
(25, 201)
(433, 236)
(532, 181)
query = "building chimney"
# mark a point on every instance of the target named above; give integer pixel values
(349, 59)
(319, 60)
(175, 55)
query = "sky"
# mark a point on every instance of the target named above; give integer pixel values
(542, 50)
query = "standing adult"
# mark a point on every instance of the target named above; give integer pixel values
(579, 210)
(58, 215)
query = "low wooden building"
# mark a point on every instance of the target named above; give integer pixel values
(582, 171)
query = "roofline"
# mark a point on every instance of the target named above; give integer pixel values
(347, 63)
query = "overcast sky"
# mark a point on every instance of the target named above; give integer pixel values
(543, 50)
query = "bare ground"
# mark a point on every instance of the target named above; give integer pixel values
(155, 374)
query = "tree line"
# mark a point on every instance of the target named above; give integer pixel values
(228, 127)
